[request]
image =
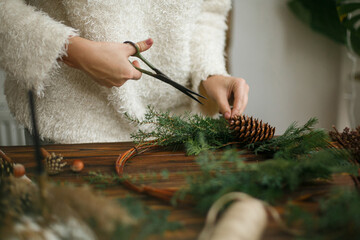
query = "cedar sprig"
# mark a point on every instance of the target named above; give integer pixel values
(306, 158)
(102, 180)
(267, 180)
(337, 217)
(151, 222)
(295, 141)
(165, 129)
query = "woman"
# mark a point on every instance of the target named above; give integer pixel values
(72, 54)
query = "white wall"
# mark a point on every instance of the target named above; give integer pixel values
(349, 92)
(10, 132)
(3, 105)
(293, 72)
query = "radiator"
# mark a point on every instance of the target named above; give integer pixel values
(10, 133)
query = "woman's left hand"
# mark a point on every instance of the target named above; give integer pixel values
(226, 90)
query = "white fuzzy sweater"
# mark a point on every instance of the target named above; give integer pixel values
(188, 46)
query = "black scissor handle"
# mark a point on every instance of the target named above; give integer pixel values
(161, 76)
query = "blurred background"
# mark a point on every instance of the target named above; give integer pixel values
(294, 72)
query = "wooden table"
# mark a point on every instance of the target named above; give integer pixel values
(101, 157)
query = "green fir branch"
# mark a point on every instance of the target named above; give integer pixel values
(150, 222)
(295, 141)
(268, 180)
(338, 217)
(102, 180)
(194, 131)
(301, 155)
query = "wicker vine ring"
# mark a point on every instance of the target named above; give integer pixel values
(164, 194)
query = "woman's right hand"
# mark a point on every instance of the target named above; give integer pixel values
(106, 62)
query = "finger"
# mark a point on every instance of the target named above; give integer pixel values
(240, 98)
(136, 73)
(239, 106)
(136, 63)
(145, 45)
(243, 106)
(224, 107)
(245, 98)
(238, 101)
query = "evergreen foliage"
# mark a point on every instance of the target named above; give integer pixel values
(321, 16)
(301, 156)
(101, 181)
(295, 141)
(336, 19)
(267, 180)
(188, 130)
(150, 222)
(339, 217)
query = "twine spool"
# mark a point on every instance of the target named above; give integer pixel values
(245, 219)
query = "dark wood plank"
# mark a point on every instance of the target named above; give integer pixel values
(102, 156)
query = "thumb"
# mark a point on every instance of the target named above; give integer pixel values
(145, 45)
(224, 107)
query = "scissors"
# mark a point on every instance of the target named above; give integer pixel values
(161, 76)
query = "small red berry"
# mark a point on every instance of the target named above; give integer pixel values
(77, 166)
(19, 170)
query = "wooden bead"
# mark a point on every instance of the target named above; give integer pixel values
(77, 166)
(19, 170)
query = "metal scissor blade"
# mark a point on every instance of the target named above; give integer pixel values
(162, 77)
(166, 79)
(179, 87)
(159, 75)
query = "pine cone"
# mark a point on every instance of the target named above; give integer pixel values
(6, 165)
(6, 168)
(54, 164)
(250, 130)
(349, 140)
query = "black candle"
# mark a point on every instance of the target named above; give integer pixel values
(35, 134)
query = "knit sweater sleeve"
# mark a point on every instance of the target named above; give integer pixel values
(30, 43)
(208, 42)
